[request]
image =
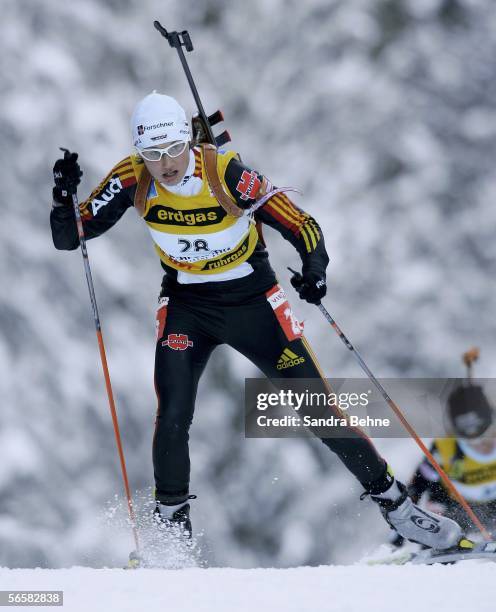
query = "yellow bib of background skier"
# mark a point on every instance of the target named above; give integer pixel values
(476, 480)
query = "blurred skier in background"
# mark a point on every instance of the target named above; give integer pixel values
(468, 456)
(203, 208)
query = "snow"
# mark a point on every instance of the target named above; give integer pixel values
(358, 588)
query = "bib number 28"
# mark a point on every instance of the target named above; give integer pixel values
(195, 245)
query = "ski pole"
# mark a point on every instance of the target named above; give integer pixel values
(101, 346)
(394, 407)
(177, 40)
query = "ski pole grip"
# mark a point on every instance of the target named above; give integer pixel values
(296, 279)
(470, 356)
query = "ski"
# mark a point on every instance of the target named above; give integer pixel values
(465, 551)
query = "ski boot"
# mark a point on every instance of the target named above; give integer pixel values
(168, 541)
(174, 519)
(413, 523)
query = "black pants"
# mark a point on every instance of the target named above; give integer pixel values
(263, 329)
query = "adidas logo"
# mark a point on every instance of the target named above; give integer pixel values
(288, 359)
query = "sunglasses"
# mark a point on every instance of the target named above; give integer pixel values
(173, 150)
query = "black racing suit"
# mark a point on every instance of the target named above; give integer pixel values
(194, 318)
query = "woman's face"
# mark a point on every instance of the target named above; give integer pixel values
(168, 170)
(484, 446)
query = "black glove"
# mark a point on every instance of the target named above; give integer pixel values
(67, 176)
(310, 286)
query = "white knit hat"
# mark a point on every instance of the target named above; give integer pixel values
(158, 119)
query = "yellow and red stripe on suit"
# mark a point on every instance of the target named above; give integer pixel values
(298, 222)
(121, 177)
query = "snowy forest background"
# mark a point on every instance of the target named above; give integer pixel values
(382, 112)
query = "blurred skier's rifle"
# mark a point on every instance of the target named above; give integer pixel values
(202, 123)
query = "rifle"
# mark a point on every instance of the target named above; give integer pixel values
(201, 122)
